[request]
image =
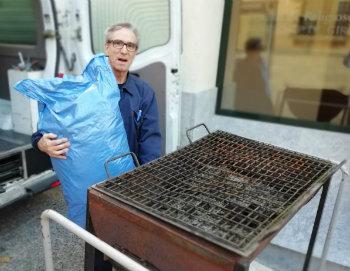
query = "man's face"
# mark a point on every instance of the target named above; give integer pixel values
(121, 58)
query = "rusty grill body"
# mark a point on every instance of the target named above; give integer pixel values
(212, 205)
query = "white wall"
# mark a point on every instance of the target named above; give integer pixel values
(202, 21)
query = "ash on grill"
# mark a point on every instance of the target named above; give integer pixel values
(227, 189)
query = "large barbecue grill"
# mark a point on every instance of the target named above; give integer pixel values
(213, 205)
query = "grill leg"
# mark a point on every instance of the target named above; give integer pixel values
(89, 259)
(242, 267)
(316, 225)
(94, 260)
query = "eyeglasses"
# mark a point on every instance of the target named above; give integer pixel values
(119, 44)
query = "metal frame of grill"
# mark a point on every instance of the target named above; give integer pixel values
(231, 191)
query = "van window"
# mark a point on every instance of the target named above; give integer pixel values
(150, 17)
(17, 22)
(286, 61)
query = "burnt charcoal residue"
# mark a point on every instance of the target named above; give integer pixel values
(227, 188)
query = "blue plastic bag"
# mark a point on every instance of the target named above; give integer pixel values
(85, 110)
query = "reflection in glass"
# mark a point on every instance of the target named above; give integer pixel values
(300, 70)
(252, 80)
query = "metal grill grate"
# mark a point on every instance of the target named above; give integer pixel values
(227, 189)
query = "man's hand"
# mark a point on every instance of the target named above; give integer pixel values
(54, 147)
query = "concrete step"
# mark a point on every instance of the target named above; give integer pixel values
(282, 259)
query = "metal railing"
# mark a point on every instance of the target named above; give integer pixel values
(108, 250)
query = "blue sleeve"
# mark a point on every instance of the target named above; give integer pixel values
(150, 139)
(35, 138)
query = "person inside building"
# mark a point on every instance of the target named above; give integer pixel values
(251, 78)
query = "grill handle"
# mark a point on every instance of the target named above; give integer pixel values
(194, 127)
(133, 155)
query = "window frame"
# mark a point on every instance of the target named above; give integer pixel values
(253, 116)
(34, 51)
(138, 51)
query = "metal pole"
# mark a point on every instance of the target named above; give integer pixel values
(45, 227)
(108, 250)
(316, 225)
(242, 267)
(333, 220)
(24, 164)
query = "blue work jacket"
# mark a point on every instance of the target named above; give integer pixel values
(138, 106)
(139, 110)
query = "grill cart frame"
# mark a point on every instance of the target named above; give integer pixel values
(224, 197)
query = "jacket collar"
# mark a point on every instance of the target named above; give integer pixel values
(129, 85)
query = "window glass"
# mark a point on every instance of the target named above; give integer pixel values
(17, 22)
(150, 17)
(287, 61)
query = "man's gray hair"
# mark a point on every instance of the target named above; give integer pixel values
(119, 26)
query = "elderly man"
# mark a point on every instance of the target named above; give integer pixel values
(137, 103)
